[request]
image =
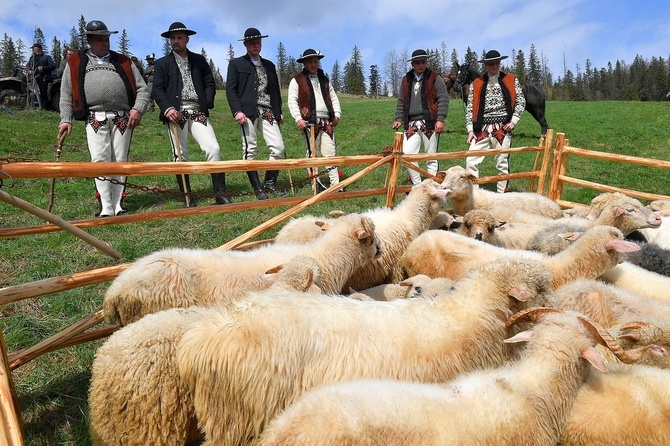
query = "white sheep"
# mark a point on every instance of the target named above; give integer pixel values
(184, 277)
(526, 403)
(446, 254)
(446, 221)
(396, 228)
(250, 360)
(640, 281)
(136, 396)
(465, 197)
(622, 212)
(629, 406)
(405, 289)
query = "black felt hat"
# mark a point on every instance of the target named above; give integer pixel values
(492, 56)
(251, 34)
(177, 27)
(419, 55)
(36, 45)
(97, 28)
(308, 54)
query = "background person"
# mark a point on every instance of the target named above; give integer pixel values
(184, 90)
(149, 78)
(422, 107)
(63, 63)
(41, 66)
(312, 101)
(495, 105)
(104, 89)
(252, 89)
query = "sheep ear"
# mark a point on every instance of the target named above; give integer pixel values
(520, 293)
(311, 287)
(274, 270)
(618, 211)
(270, 278)
(524, 336)
(570, 235)
(622, 246)
(323, 225)
(337, 213)
(592, 356)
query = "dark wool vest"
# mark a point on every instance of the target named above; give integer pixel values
(428, 97)
(306, 100)
(479, 96)
(77, 63)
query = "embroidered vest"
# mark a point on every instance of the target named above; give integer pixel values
(428, 97)
(77, 63)
(306, 100)
(479, 96)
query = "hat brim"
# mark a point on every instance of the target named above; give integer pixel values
(312, 56)
(188, 32)
(99, 33)
(493, 59)
(418, 58)
(251, 38)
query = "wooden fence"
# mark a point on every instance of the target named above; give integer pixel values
(11, 427)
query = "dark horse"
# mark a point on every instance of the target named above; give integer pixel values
(535, 100)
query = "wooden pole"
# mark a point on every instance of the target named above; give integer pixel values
(12, 430)
(175, 136)
(312, 154)
(554, 187)
(546, 154)
(51, 218)
(52, 186)
(21, 357)
(303, 205)
(394, 169)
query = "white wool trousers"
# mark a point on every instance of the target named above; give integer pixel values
(502, 161)
(204, 136)
(271, 133)
(108, 137)
(325, 147)
(412, 145)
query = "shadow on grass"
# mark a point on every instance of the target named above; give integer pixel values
(58, 413)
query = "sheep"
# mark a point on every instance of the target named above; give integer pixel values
(639, 281)
(526, 403)
(445, 254)
(652, 341)
(660, 235)
(482, 225)
(250, 360)
(396, 228)
(407, 288)
(651, 257)
(624, 213)
(465, 197)
(136, 396)
(306, 228)
(629, 406)
(185, 277)
(446, 221)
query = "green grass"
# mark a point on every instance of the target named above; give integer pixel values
(52, 389)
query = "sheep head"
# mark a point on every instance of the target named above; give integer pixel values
(597, 332)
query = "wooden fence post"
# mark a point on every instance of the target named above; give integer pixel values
(546, 154)
(394, 168)
(557, 168)
(12, 430)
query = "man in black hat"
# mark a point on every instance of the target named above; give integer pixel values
(314, 105)
(252, 88)
(106, 90)
(184, 90)
(40, 67)
(149, 78)
(495, 105)
(422, 107)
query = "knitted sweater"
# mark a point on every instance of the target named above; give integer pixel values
(104, 90)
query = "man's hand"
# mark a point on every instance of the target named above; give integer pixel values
(439, 127)
(335, 121)
(302, 124)
(174, 116)
(471, 137)
(241, 118)
(396, 124)
(64, 128)
(135, 118)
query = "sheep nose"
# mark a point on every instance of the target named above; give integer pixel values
(478, 236)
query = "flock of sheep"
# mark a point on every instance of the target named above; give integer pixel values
(516, 324)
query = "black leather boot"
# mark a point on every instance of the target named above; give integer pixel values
(189, 201)
(219, 184)
(256, 185)
(270, 182)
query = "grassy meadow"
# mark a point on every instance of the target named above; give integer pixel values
(52, 389)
